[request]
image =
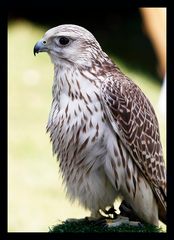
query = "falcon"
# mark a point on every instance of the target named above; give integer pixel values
(103, 129)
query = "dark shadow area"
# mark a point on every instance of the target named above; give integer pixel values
(119, 31)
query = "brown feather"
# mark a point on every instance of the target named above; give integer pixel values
(133, 118)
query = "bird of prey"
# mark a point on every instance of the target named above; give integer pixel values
(103, 128)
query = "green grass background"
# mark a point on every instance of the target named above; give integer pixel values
(36, 197)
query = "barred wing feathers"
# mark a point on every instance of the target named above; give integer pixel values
(133, 119)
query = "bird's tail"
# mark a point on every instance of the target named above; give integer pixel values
(162, 206)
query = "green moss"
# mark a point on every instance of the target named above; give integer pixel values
(86, 227)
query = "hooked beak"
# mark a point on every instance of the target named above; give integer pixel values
(39, 47)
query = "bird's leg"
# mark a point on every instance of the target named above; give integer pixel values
(111, 212)
(127, 211)
(126, 216)
(108, 218)
(111, 219)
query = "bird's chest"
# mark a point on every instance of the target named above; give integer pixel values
(76, 122)
(79, 126)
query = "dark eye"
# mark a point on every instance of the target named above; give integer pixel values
(63, 40)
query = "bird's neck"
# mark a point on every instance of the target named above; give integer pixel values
(73, 82)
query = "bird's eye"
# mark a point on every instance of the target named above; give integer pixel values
(63, 40)
(44, 42)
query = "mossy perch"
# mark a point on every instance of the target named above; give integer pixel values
(91, 226)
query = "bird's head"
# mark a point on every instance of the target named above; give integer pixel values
(69, 44)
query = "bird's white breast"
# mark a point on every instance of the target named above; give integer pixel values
(76, 107)
(77, 129)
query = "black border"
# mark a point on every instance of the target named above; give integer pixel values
(3, 126)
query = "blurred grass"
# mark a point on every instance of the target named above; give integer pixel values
(36, 198)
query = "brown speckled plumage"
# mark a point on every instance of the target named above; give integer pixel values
(103, 129)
